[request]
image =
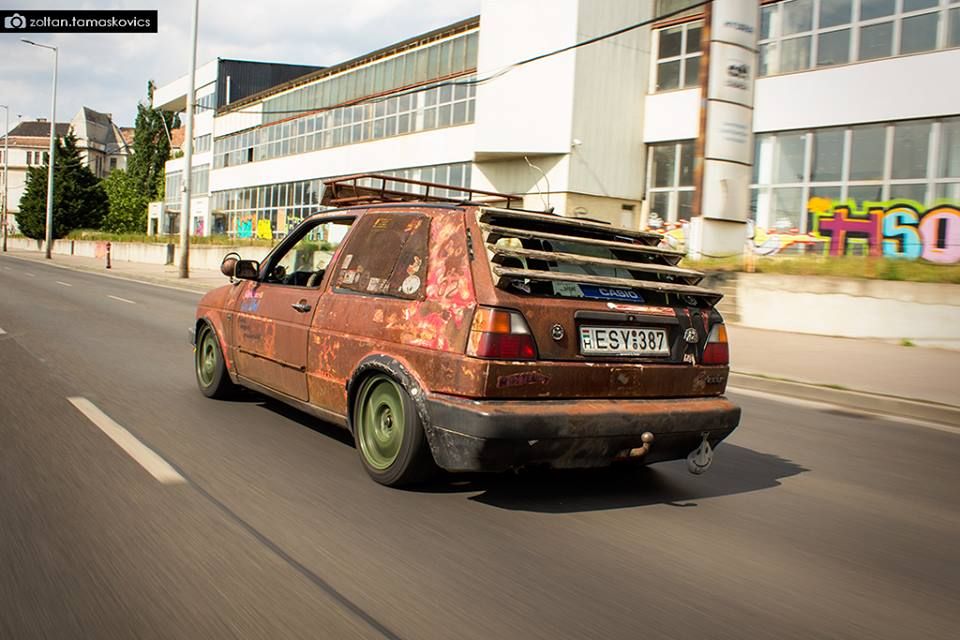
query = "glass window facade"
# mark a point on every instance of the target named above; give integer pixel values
(441, 59)
(670, 181)
(678, 56)
(202, 144)
(797, 35)
(173, 185)
(445, 106)
(286, 204)
(915, 159)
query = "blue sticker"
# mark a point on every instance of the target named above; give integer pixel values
(608, 293)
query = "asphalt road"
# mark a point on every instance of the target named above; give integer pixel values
(812, 523)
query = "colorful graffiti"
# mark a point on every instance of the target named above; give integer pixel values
(893, 229)
(764, 242)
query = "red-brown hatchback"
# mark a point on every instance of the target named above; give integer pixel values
(476, 338)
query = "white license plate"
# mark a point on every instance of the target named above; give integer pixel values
(623, 341)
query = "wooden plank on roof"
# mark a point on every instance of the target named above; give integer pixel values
(672, 256)
(623, 283)
(561, 221)
(688, 275)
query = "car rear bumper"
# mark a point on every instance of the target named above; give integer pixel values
(494, 435)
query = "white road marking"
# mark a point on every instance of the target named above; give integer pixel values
(141, 453)
(66, 284)
(813, 404)
(2, 332)
(122, 299)
(29, 275)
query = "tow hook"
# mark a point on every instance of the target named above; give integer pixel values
(700, 458)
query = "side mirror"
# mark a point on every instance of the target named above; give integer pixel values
(228, 267)
(246, 270)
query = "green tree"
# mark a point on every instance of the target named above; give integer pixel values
(127, 204)
(151, 147)
(79, 201)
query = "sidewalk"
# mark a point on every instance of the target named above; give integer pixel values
(889, 378)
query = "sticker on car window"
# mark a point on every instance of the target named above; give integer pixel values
(610, 293)
(346, 261)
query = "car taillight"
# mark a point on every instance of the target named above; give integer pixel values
(501, 334)
(717, 351)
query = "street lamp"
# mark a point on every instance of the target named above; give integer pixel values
(6, 164)
(53, 135)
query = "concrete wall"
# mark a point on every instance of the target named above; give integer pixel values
(925, 313)
(201, 256)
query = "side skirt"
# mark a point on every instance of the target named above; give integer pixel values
(306, 407)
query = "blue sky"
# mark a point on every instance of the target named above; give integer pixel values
(109, 72)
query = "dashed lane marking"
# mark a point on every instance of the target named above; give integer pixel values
(66, 284)
(141, 453)
(122, 299)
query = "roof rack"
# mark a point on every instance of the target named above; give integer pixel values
(371, 188)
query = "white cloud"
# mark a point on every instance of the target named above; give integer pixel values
(109, 72)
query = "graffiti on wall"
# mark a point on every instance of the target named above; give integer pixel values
(892, 229)
(763, 242)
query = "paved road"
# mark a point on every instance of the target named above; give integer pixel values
(812, 524)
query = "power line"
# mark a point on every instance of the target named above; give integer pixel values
(488, 78)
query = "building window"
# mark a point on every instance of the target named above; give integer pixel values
(286, 205)
(444, 106)
(201, 144)
(670, 182)
(877, 163)
(678, 56)
(441, 59)
(796, 35)
(113, 164)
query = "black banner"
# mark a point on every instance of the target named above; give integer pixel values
(80, 21)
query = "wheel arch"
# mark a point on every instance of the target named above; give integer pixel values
(217, 331)
(397, 370)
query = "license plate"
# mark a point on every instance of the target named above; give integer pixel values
(623, 341)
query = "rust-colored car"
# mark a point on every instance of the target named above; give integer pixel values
(476, 338)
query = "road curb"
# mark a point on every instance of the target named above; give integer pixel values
(871, 402)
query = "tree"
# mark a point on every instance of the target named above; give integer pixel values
(79, 201)
(127, 204)
(151, 147)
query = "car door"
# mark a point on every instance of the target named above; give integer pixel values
(274, 314)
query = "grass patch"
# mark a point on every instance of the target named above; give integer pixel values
(907, 342)
(839, 267)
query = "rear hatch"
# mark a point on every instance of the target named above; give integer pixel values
(591, 292)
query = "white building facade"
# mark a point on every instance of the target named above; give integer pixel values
(853, 102)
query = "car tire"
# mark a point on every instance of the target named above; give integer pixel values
(389, 433)
(209, 366)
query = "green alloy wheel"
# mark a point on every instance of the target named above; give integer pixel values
(212, 377)
(388, 432)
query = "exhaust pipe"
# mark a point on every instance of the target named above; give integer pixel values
(700, 458)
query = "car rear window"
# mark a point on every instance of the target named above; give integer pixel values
(386, 255)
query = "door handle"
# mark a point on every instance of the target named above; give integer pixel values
(301, 306)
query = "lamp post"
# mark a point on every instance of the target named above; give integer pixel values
(6, 164)
(184, 270)
(53, 137)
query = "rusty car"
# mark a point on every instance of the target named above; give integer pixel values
(469, 337)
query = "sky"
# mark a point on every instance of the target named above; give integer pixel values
(109, 72)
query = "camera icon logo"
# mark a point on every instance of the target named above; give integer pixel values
(16, 21)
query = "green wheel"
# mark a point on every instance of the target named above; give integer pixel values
(389, 434)
(212, 376)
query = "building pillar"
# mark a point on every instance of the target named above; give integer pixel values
(725, 143)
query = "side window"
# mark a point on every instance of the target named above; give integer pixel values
(305, 263)
(386, 255)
